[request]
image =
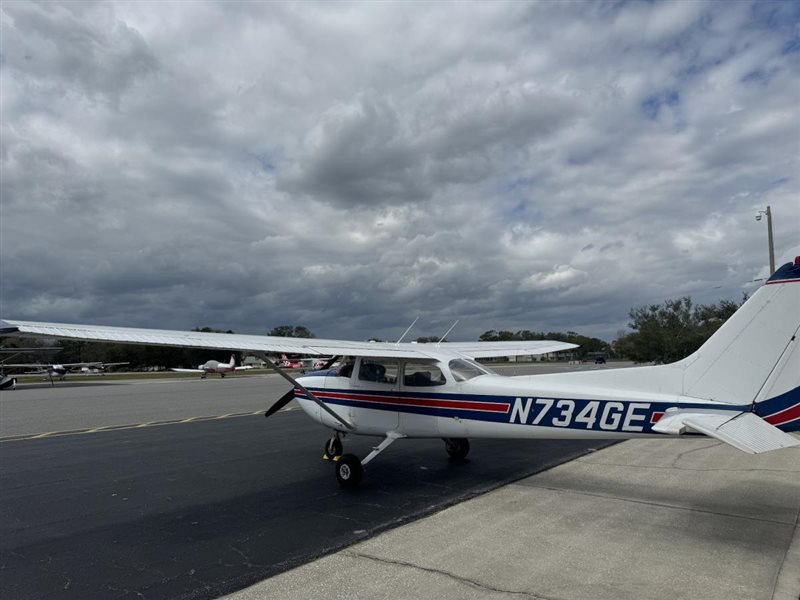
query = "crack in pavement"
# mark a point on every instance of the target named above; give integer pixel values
(465, 580)
(792, 538)
(652, 503)
(668, 467)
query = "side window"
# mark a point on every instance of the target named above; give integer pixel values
(463, 370)
(422, 375)
(346, 368)
(378, 370)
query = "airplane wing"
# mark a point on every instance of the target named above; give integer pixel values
(244, 368)
(490, 349)
(67, 365)
(746, 431)
(265, 343)
(188, 370)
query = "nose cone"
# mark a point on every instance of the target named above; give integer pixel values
(315, 379)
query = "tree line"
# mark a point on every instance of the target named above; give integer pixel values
(659, 333)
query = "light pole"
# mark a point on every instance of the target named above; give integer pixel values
(768, 212)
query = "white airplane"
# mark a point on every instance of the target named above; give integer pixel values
(314, 364)
(741, 387)
(60, 371)
(214, 366)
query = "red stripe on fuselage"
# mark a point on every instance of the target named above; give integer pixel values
(782, 281)
(786, 415)
(424, 402)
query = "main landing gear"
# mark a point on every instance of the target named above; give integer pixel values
(457, 448)
(350, 470)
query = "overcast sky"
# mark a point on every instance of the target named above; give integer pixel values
(349, 167)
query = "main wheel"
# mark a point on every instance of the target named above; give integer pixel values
(333, 447)
(349, 470)
(457, 448)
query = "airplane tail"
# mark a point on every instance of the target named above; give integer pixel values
(232, 362)
(751, 363)
(753, 359)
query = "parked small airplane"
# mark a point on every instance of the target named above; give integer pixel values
(741, 387)
(291, 363)
(60, 371)
(7, 382)
(305, 363)
(214, 366)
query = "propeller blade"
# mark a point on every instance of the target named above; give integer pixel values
(329, 363)
(284, 400)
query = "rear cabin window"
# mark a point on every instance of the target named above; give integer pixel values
(422, 375)
(378, 370)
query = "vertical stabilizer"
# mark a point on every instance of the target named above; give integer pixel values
(754, 355)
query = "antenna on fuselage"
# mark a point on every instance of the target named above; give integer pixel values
(407, 330)
(446, 333)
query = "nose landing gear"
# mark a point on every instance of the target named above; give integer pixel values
(333, 448)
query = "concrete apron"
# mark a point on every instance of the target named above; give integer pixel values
(643, 519)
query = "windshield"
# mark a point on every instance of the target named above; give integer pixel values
(463, 369)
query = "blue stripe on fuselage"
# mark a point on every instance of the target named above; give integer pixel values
(572, 413)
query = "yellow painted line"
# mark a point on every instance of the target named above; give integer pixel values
(35, 436)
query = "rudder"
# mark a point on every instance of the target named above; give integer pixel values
(754, 356)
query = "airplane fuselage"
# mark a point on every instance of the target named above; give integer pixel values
(496, 406)
(213, 366)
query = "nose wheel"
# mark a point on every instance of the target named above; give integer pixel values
(333, 448)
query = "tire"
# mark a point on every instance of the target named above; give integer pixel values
(349, 470)
(333, 448)
(457, 448)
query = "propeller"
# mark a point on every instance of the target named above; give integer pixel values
(283, 401)
(287, 397)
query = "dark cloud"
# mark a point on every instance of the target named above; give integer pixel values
(74, 48)
(350, 168)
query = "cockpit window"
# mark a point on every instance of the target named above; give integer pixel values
(463, 369)
(345, 369)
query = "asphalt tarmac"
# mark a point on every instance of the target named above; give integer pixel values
(177, 490)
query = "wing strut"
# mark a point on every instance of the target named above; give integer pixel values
(308, 393)
(446, 333)
(407, 330)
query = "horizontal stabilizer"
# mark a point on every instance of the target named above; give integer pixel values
(745, 431)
